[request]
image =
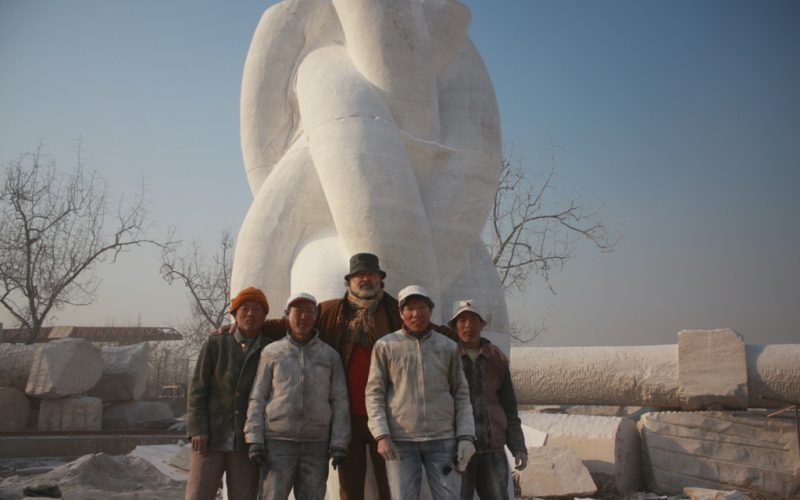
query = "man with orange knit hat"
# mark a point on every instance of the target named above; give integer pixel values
(217, 404)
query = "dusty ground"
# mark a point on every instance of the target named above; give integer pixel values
(99, 477)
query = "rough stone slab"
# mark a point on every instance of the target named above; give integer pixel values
(124, 375)
(610, 447)
(82, 413)
(722, 451)
(15, 364)
(709, 494)
(555, 471)
(64, 367)
(712, 369)
(138, 415)
(15, 409)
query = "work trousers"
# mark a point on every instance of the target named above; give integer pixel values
(353, 472)
(205, 475)
(295, 464)
(486, 474)
(437, 456)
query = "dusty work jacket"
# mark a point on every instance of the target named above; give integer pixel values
(416, 389)
(494, 404)
(299, 395)
(219, 390)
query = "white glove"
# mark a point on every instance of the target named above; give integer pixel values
(465, 451)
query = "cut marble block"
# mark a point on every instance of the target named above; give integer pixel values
(609, 446)
(15, 364)
(64, 367)
(124, 375)
(712, 369)
(622, 376)
(15, 409)
(708, 368)
(555, 471)
(720, 450)
(81, 413)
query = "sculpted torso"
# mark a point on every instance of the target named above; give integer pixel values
(369, 126)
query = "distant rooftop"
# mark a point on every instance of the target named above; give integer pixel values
(122, 335)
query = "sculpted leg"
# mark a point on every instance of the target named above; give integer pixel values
(364, 170)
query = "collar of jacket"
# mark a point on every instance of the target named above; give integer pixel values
(314, 336)
(482, 342)
(421, 336)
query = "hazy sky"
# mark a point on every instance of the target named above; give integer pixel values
(679, 120)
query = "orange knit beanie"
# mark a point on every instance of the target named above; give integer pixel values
(250, 295)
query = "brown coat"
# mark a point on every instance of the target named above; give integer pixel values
(332, 320)
(494, 403)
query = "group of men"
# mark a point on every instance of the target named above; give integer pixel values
(273, 400)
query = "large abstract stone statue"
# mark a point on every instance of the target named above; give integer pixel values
(369, 126)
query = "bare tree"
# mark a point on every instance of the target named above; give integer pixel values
(531, 232)
(207, 283)
(528, 232)
(55, 228)
(171, 362)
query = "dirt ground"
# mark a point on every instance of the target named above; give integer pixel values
(98, 477)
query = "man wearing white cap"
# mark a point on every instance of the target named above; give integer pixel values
(494, 407)
(298, 414)
(418, 404)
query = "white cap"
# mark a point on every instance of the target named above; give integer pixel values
(300, 296)
(412, 291)
(464, 306)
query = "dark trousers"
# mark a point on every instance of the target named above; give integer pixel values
(205, 475)
(353, 471)
(487, 474)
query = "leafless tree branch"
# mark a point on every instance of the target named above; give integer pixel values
(207, 283)
(53, 233)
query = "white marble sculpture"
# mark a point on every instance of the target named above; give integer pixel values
(369, 126)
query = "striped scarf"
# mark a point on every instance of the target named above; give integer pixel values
(361, 328)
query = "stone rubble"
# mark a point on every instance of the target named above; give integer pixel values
(709, 494)
(555, 471)
(101, 477)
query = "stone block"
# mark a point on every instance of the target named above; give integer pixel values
(15, 409)
(555, 471)
(773, 374)
(603, 375)
(610, 447)
(138, 415)
(64, 367)
(712, 370)
(722, 451)
(81, 413)
(709, 494)
(124, 375)
(15, 364)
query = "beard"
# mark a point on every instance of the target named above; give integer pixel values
(365, 291)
